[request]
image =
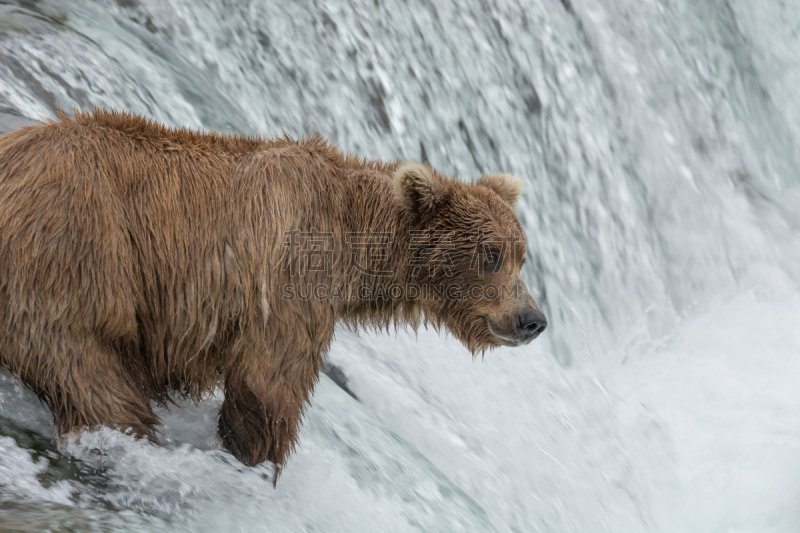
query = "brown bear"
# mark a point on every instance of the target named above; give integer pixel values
(139, 261)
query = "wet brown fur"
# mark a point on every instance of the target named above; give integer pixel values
(139, 261)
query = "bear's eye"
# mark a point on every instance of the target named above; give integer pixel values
(492, 261)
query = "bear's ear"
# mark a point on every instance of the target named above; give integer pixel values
(506, 186)
(418, 188)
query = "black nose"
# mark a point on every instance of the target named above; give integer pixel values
(531, 323)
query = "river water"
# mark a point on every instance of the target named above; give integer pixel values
(658, 143)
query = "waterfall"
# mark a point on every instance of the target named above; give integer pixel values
(657, 142)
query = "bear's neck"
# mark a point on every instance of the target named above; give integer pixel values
(378, 249)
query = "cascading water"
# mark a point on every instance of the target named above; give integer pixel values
(657, 140)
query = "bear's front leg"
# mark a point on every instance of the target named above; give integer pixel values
(264, 402)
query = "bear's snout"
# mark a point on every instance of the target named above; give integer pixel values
(530, 323)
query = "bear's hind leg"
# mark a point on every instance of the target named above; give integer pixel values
(86, 385)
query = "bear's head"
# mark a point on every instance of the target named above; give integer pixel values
(467, 250)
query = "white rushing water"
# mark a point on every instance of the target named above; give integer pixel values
(657, 140)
